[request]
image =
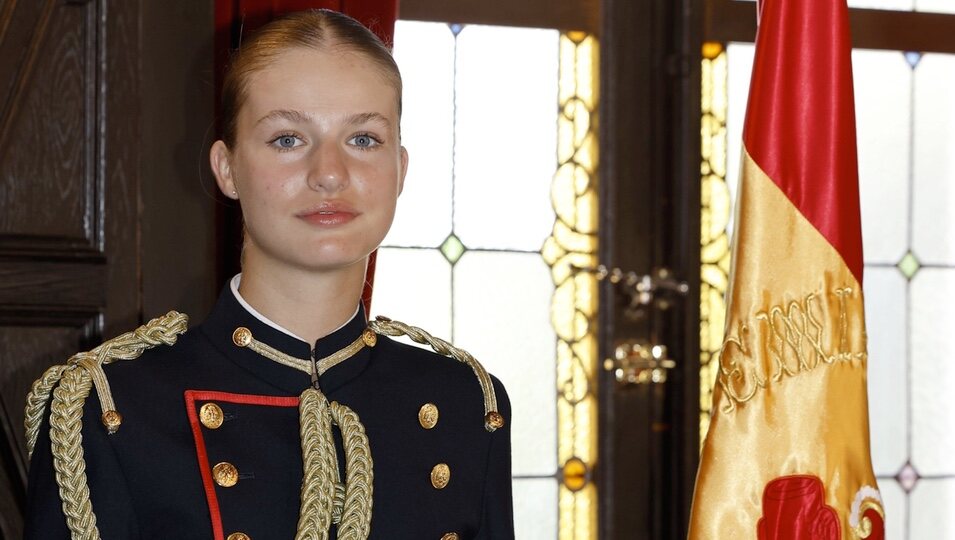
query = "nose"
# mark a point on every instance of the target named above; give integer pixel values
(327, 170)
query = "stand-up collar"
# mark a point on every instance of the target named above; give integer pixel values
(228, 314)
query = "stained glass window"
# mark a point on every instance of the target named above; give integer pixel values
(499, 203)
(906, 133)
(935, 6)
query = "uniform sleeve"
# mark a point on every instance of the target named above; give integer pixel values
(497, 522)
(109, 495)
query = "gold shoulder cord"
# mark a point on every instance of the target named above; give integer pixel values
(492, 418)
(75, 378)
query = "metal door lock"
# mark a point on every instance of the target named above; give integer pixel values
(640, 290)
(638, 362)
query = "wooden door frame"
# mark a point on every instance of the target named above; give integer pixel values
(650, 218)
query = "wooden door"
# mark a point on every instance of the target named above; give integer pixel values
(100, 130)
(650, 223)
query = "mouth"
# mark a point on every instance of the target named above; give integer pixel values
(328, 214)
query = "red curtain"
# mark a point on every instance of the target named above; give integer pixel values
(235, 18)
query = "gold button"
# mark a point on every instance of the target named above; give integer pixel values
(440, 475)
(450, 536)
(369, 337)
(428, 415)
(112, 420)
(242, 336)
(225, 474)
(238, 536)
(494, 420)
(210, 415)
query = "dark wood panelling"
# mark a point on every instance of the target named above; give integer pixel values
(51, 283)
(561, 14)
(735, 20)
(73, 228)
(47, 189)
(120, 165)
(178, 97)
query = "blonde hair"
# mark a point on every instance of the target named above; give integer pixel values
(314, 29)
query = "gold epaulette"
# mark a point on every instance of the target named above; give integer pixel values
(492, 418)
(70, 385)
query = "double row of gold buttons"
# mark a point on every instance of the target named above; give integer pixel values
(226, 475)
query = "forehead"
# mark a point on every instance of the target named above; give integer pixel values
(330, 80)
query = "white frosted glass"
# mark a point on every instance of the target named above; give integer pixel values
(502, 317)
(883, 133)
(885, 314)
(506, 136)
(414, 286)
(894, 504)
(938, 6)
(931, 511)
(739, 71)
(535, 508)
(933, 226)
(904, 5)
(425, 54)
(933, 371)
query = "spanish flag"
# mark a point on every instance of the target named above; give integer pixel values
(787, 454)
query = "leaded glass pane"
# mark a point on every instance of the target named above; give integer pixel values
(502, 316)
(931, 509)
(535, 508)
(885, 310)
(938, 6)
(506, 147)
(739, 58)
(893, 502)
(414, 286)
(933, 228)
(883, 133)
(933, 372)
(904, 5)
(425, 54)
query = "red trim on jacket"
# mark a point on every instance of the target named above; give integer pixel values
(192, 396)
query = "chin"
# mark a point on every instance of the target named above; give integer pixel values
(323, 260)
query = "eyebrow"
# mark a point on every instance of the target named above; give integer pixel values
(301, 117)
(286, 114)
(361, 118)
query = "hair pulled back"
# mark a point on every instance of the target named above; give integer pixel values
(314, 29)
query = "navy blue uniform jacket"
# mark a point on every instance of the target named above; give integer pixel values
(152, 479)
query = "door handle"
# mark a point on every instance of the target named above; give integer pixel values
(639, 362)
(640, 290)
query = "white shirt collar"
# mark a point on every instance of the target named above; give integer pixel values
(234, 285)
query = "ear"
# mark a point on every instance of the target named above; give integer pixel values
(220, 159)
(404, 170)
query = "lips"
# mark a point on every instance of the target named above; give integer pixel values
(328, 214)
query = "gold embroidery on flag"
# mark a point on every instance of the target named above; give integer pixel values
(864, 529)
(789, 339)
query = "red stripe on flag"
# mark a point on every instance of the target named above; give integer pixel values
(800, 119)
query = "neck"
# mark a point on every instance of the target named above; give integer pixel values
(308, 303)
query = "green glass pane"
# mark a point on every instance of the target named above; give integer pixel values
(452, 248)
(909, 265)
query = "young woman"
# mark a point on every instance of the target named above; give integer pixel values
(285, 414)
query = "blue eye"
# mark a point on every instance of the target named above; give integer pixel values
(286, 142)
(364, 141)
